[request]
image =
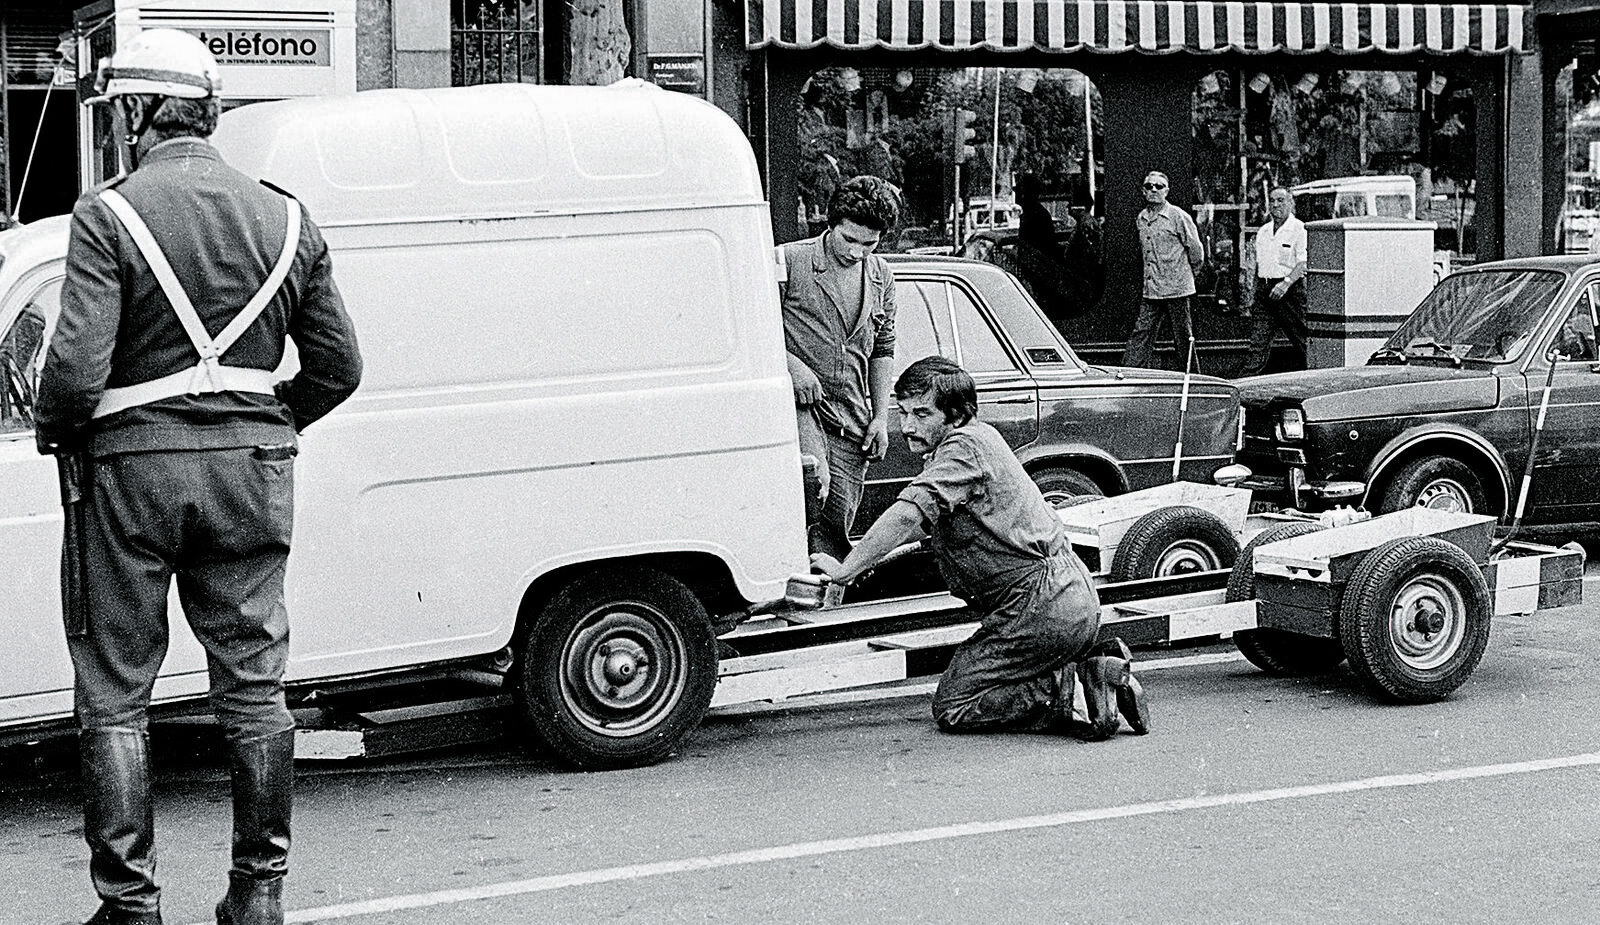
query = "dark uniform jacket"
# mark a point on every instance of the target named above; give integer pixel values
(221, 231)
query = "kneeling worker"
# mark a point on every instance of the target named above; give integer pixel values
(1000, 547)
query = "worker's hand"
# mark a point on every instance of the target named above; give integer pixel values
(827, 565)
(807, 388)
(1280, 288)
(877, 442)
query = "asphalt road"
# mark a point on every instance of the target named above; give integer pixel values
(1253, 800)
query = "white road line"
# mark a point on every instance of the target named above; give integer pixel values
(916, 836)
(926, 687)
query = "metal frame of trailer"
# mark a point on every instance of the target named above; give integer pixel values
(1407, 597)
(1416, 644)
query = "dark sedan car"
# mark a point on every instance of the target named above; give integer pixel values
(1444, 414)
(1077, 428)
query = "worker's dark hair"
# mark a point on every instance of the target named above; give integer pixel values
(953, 390)
(871, 202)
(178, 118)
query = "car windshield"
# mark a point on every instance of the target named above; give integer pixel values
(1487, 315)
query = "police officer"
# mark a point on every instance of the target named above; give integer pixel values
(184, 277)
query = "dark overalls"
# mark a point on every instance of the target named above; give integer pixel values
(189, 475)
(1002, 549)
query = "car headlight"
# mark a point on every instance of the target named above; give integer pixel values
(1292, 424)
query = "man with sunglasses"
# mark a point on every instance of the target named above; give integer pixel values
(1172, 252)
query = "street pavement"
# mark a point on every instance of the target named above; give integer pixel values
(1253, 800)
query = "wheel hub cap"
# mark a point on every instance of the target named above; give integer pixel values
(1445, 495)
(1187, 557)
(1428, 622)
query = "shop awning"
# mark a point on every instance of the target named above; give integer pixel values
(1151, 26)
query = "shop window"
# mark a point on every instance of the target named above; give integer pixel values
(1577, 91)
(494, 41)
(1026, 197)
(1346, 143)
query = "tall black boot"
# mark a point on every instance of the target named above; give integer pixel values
(263, 791)
(119, 825)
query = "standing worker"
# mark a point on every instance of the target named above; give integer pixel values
(1172, 251)
(1280, 299)
(1002, 549)
(184, 277)
(838, 323)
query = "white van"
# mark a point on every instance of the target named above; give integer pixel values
(1349, 197)
(574, 444)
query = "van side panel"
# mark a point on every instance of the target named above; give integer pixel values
(569, 319)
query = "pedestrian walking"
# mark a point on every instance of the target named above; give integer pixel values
(838, 323)
(1280, 295)
(1170, 244)
(184, 278)
(1002, 549)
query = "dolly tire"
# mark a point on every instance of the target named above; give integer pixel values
(617, 668)
(1279, 652)
(1177, 540)
(1415, 619)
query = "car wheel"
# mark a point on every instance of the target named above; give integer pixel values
(1439, 482)
(1171, 541)
(1415, 618)
(1279, 652)
(618, 667)
(1066, 487)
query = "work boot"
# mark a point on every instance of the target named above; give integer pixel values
(263, 792)
(1130, 696)
(119, 826)
(1101, 676)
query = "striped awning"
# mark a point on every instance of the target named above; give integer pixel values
(1151, 26)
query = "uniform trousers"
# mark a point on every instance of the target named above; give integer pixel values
(218, 520)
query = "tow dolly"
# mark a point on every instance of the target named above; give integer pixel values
(1408, 598)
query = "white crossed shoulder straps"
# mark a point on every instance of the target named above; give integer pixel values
(208, 375)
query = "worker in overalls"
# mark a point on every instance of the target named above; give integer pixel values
(1002, 549)
(184, 277)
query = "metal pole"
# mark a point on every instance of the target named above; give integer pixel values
(1088, 141)
(994, 154)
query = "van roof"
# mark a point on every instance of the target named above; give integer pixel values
(1381, 183)
(497, 150)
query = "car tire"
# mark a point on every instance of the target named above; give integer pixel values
(1060, 486)
(617, 668)
(1438, 482)
(1390, 594)
(1279, 652)
(1177, 540)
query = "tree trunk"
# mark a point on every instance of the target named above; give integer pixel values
(598, 42)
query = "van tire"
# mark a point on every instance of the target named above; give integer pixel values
(1060, 485)
(617, 669)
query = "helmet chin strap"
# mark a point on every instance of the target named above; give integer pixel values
(130, 141)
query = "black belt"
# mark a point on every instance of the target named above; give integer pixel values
(834, 430)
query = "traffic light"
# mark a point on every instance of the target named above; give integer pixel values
(961, 135)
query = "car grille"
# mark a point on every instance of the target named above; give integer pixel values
(1260, 450)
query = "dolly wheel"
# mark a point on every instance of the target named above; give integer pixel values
(1279, 652)
(1415, 619)
(1177, 540)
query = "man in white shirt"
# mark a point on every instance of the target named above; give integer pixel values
(1280, 284)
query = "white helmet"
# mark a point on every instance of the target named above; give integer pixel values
(161, 62)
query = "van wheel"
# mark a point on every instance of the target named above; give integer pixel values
(1170, 541)
(1279, 652)
(617, 669)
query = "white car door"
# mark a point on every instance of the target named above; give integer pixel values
(35, 672)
